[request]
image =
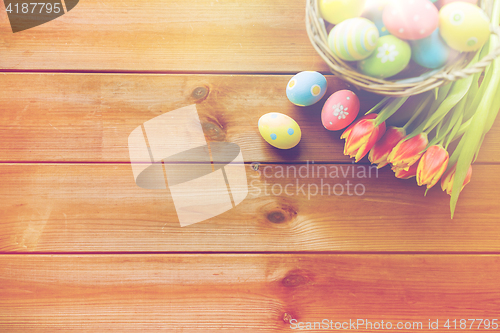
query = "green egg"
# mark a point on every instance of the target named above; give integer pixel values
(390, 57)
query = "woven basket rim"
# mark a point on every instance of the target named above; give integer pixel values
(431, 79)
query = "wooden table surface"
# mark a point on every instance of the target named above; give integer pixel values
(83, 248)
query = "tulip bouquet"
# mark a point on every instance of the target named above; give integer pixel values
(441, 137)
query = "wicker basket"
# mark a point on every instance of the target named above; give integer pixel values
(431, 79)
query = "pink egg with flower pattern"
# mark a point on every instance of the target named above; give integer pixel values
(411, 19)
(340, 110)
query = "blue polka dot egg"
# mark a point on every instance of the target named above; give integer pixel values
(306, 88)
(279, 130)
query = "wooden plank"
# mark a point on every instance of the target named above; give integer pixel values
(243, 293)
(174, 35)
(99, 208)
(74, 117)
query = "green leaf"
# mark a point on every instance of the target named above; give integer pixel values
(474, 135)
(379, 105)
(424, 101)
(481, 121)
(493, 113)
(457, 92)
(451, 122)
(471, 94)
(480, 92)
(443, 92)
(471, 139)
(478, 148)
(456, 153)
(390, 109)
(454, 131)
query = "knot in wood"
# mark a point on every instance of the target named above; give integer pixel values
(294, 280)
(287, 318)
(199, 93)
(281, 214)
(276, 217)
(213, 132)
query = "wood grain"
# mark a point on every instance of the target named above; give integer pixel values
(73, 223)
(241, 293)
(98, 208)
(88, 118)
(236, 36)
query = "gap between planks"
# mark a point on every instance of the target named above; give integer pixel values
(126, 72)
(260, 253)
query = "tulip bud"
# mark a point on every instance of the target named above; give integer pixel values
(449, 178)
(432, 165)
(361, 136)
(349, 129)
(406, 174)
(383, 147)
(406, 153)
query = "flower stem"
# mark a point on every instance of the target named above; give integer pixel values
(378, 106)
(419, 110)
(390, 109)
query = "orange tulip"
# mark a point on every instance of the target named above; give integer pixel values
(449, 177)
(432, 165)
(406, 153)
(383, 147)
(349, 129)
(406, 174)
(361, 136)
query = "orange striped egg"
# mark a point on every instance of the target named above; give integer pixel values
(353, 39)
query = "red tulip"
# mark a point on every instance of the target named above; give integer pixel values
(406, 153)
(406, 174)
(383, 147)
(361, 136)
(432, 165)
(349, 129)
(449, 177)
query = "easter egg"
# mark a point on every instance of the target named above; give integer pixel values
(430, 52)
(373, 12)
(411, 19)
(340, 110)
(464, 26)
(390, 57)
(353, 39)
(306, 88)
(279, 130)
(336, 11)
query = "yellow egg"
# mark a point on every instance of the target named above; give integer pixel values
(279, 130)
(464, 26)
(336, 11)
